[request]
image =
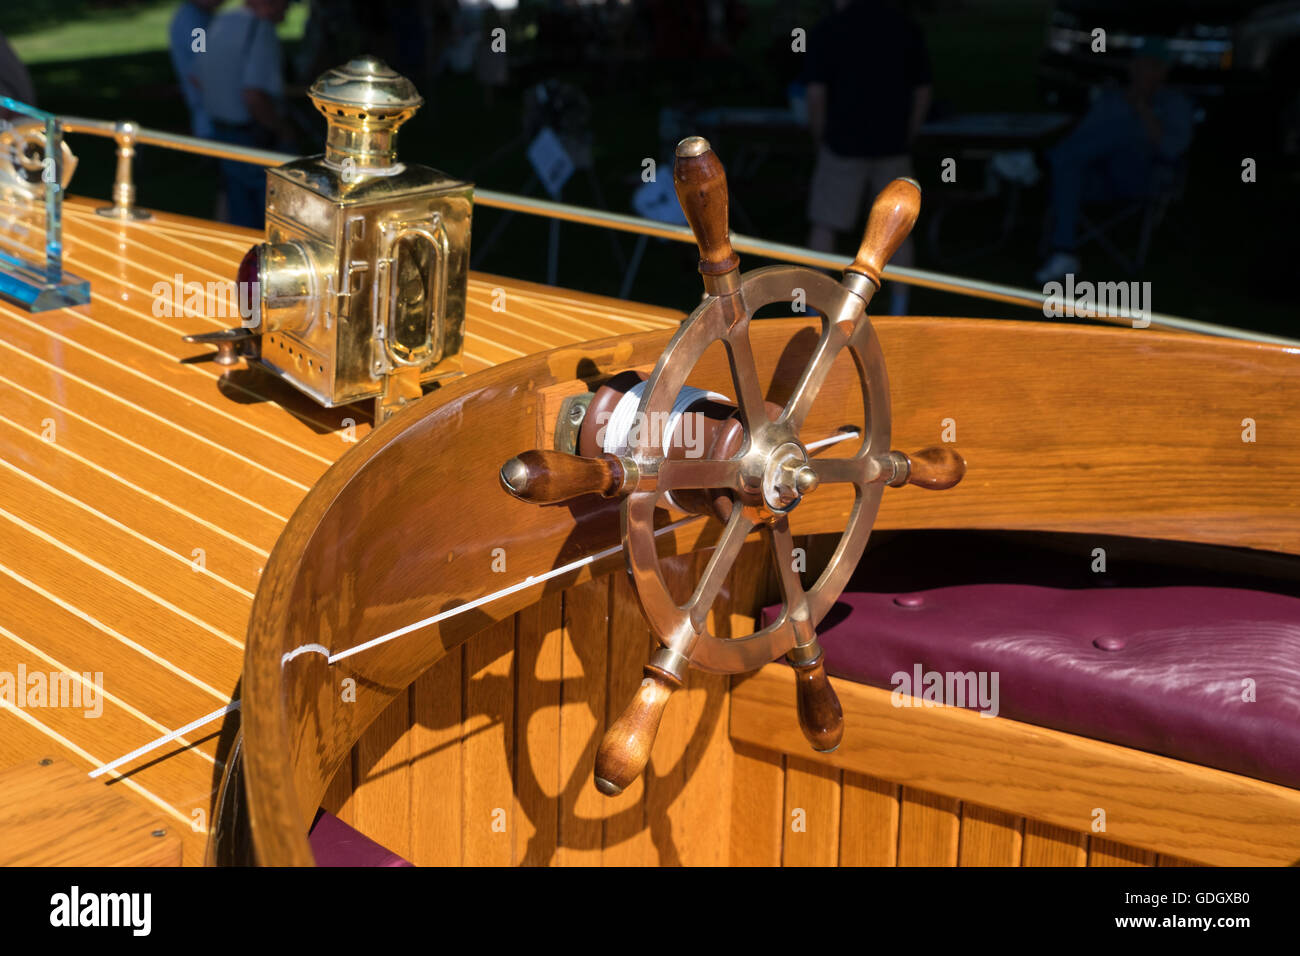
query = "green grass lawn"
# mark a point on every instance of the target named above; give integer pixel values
(120, 30)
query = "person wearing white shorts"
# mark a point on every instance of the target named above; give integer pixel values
(868, 76)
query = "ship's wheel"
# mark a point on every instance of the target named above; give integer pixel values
(754, 468)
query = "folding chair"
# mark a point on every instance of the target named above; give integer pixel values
(1170, 183)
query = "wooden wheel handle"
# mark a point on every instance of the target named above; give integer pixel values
(701, 185)
(543, 477)
(820, 715)
(892, 217)
(936, 468)
(625, 749)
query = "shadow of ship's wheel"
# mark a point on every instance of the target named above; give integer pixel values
(589, 832)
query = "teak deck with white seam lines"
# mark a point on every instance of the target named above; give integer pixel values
(141, 493)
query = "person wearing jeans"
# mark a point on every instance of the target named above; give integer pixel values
(189, 23)
(243, 91)
(1113, 153)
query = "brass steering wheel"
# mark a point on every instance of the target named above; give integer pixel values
(759, 469)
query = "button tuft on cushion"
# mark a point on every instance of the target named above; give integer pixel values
(1208, 675)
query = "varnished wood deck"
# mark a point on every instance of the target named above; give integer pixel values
(141, 493)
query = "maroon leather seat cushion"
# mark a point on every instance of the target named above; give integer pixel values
(334, 843)
(1165, 669)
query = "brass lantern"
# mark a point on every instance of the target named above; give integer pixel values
(362, 278)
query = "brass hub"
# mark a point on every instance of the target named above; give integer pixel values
(775, 474)
(786, 478)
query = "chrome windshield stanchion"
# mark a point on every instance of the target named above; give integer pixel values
(124, 206)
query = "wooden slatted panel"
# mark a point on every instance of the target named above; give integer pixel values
(381, 806)
(556, 730)
(539, 655)
(856, 820)
(338, 799)
(627, 839)
(437, 764)
(73, 644)
(667, 808)
(757, 785)
(1174, 807)
(122, 606)
(710, 757)
(110, 557)
(1048, 845)
(488, 749)
(989, 837)
(812, 814)
(22, 739)
(928, 828)
(868, 821)
(582, 721)
(758, 822)
(1109, 853)
(853, 820)
(111, 327)
(706, 794)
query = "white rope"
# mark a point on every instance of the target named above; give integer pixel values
(833, 440)
(526, 583)
(618, 430)
(166, 739)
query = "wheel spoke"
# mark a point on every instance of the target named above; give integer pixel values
(838, 470)
(782, 547)
(810, 383)
(698, 473)
(744, 373)
(715, 573)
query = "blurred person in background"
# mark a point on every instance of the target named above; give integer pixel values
(190, 16)
(15, 81)
(242, 77)
(868, 92)
(1115, 152)
(332, 36)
